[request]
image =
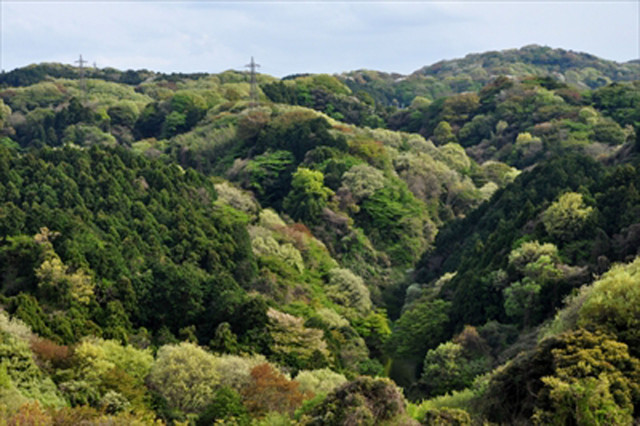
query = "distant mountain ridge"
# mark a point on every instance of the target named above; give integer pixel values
(448, 77)
(443, 78)
(550, 59)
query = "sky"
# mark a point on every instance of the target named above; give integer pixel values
(289, 37)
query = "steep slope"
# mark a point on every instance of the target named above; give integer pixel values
(171, 212)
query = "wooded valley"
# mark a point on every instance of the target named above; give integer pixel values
(454, 246)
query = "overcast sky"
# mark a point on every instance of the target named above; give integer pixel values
(288, 37)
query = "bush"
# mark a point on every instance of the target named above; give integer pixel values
(613, 305)
(225, 406)
(363, 401)
(348, 289)
(270, 390)
(446, 417)
(186, 376)
(320, 381)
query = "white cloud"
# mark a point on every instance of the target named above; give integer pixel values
(291, 37)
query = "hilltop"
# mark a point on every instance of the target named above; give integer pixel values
(471, 73)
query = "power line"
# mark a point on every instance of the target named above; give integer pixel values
(83, 85)
(253, 93)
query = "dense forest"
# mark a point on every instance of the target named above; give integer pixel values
(456, 246)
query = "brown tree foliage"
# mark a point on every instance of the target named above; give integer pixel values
(270, 390)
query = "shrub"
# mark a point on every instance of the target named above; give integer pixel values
(185, 375)
(319, 381)
(270, 390)
(363, 401)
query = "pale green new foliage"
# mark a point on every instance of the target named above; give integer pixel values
(5, 113)
(263, 243)
(135, 362)
(235, 370)
(40, 94)
(348, 289)
(538, 263)
(443, 133)
(10, 396)
(567, 216)
(528, 146)
(459, 400)
(272, 418)
(420, 102)
(501, 126)
(270, 219)
(320, 381)
(529, 252)
(613, 305)
(15, 327)
(184, 100)
(388, 137)
(500, 173)
(545, 97)
(594, 381)
(362, 181)
(426, 177)
(57, 279)
(186, 375)
(236, 198)
(331, 318)
(419, 144)
(588, 400)
(293, 340)
(106, 92)
(308, 195)
(588, 115)
(444, 369)
(414, 292)
(85, 135)
(114, 402)
(454, 156)
(94, 358)
(488, 189)
(23, 375)
(543, 270)
(91, 361)
(567, 318)
(237, 91)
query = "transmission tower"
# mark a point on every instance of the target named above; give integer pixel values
(83, 85)
(253, 94)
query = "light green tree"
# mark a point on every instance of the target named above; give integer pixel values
(348, 289)
(186, 375)
(308, 196)
(446, 368)
(57, 281)
(5, 113)
(567, 216)
(594, 381)
(539, 266)
(529, 252)
(443, 133)
(234, 371)
(294, 344)
(95, 357)
(320, 381)
(362, 180)
(20, 377)
(612, 305)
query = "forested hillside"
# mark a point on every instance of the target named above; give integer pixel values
(471, 73)
(458, 245)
